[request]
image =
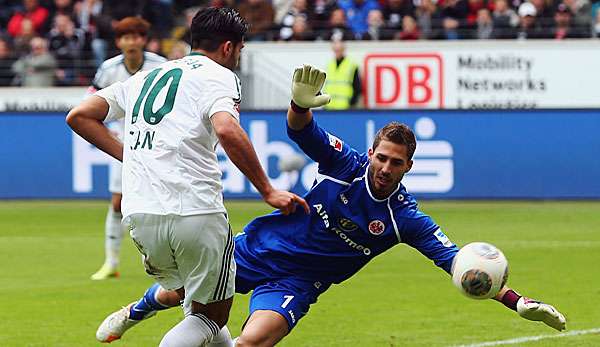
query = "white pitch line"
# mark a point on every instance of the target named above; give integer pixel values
(532, 338)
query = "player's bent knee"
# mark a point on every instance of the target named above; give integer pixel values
(253, 340)
(263, 328)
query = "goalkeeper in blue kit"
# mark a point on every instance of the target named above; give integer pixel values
(359, 209)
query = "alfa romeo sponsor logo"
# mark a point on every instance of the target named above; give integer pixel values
(376, 227)
(347, 225)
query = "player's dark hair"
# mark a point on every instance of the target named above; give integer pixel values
(212, 26)
(132, 25)
(397, 133)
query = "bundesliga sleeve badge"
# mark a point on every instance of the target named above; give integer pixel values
(335, 142)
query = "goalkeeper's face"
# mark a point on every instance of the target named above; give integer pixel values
(388, 164)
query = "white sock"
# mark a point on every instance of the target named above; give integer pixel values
(194, 330)
(223, 339)
(113, 235)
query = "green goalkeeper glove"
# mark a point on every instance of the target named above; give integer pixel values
(306, 85)
(538, 311)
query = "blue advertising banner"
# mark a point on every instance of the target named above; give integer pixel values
(532, 154)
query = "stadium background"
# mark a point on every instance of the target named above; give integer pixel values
(502, 119)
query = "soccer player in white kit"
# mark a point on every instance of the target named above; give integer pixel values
(175, 116)
(131, 37)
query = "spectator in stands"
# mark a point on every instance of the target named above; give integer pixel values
(36, 69)
(154, 45)
(259, 14)
(98, 26)
(67, 43)
(564, 29)
(179, 50)
(65, 7)
(544, 12)
(33, 12)
(338, 27)
(528, 28)
(410, 29)
(395, 10)
(298, 9)
(7, 8)
(596, 26)
(301, 31)
(343, 80)
(473, 7)
(581, 11)
(454, 18)
(281, 8)
(320, 13)
(429, 19)
(505, 20)
(450, 28)
(160, 15)
(186, 35)
(22, 42)
(376, 29)
(484, 25)
(357, 12)
(6, 62)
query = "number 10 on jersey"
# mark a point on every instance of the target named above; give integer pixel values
(170, 80)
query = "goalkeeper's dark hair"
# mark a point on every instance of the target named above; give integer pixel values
(212, 26)
(397, 133)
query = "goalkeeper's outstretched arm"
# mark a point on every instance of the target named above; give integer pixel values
(532, 309)
(306, 88)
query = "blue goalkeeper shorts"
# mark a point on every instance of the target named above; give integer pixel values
(290, 297)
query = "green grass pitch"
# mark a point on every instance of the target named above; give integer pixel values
(50, 248)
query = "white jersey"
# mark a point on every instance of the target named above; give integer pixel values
(169, 160)
(114, 70)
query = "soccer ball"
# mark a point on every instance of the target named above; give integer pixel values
(479, 270)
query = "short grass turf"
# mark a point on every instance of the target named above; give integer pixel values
(50, 248)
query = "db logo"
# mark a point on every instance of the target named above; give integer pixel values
(404, 81)
(376, 227)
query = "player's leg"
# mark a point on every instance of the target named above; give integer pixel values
(149, 233)
(201, 326)
(154, 299)
(203, 250)
(263, 328)
(113, 232)
(275, 309)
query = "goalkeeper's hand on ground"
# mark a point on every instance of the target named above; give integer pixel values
(306, 86)
(539, 311)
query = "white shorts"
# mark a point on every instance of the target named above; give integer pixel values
(114, 176)
(194, 252)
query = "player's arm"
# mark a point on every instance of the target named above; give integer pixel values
(87, 119)
(531, 309)
(420, 232)
(334, 157)
(306, 87)
(238, 147)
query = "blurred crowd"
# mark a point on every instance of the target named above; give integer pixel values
(69, 39)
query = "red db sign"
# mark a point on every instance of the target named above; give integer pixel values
(404, 81)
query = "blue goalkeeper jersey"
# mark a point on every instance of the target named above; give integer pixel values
(347, 226)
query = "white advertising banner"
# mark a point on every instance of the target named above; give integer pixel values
(40, 99)
(443, 74)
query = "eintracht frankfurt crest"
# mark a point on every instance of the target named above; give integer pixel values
(376, 227)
